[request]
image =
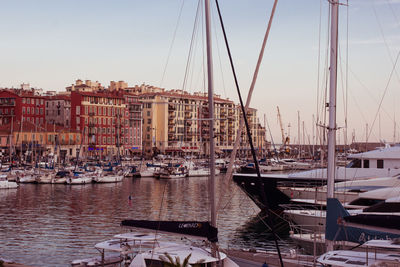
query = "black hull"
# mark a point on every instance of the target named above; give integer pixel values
(248, 183)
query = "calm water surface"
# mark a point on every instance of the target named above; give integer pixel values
(51, 225)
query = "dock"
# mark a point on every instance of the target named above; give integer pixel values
(253, 258)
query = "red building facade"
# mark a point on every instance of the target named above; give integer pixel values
(21, 105)
(101, 119)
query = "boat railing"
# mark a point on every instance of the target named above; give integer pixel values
(304, 230)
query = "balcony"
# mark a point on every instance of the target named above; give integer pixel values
(7, 104)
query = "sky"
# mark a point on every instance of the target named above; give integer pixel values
(50, 44)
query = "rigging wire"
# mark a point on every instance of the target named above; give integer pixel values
(385, 41)
(319, 61)
(244, 114)
(219, 54)
(384, 93)
(189, 58)
(387, 46)
(172, 43)
(347, 76)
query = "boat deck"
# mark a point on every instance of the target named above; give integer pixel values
(249, 258)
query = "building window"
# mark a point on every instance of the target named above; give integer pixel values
(23, 110)
(41, 111)
(41, 120)
(379, 164)
(23, 100)
(366, 163)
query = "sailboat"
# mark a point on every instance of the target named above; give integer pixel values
(156, 252)
(335, 211)
(202, 229)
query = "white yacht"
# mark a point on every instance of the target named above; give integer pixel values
(5, 184)
(174, 172)
(81, 178)
(109, 176)
(344, 191)
(144, 249)
(294, 164)
(379, 163)
(315, 219)
(370, 257)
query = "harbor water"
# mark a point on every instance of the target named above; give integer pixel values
(51, 225)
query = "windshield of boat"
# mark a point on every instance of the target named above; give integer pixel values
(355, 163)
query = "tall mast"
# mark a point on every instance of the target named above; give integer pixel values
(211, 118)
(332, 105)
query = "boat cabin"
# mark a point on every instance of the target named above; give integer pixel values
(383, 158)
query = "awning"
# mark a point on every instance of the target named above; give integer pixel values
(173, 149)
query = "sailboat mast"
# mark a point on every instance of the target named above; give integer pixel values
(211, 116)
(332, 105)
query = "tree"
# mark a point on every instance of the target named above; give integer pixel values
(169, 261)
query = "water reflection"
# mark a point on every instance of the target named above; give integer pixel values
(50, 225)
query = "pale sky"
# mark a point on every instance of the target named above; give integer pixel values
(50, 44)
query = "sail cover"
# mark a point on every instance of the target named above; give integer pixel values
(193, 228)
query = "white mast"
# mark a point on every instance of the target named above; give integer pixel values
(211, 120)
(332, 105)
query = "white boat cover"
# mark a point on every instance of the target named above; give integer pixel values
(138, 261)
(229, 263)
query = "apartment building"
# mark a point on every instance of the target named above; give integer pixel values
(58, 110)
(133, 130)
(26, 139)
(21, 104)
(176, 122)
(101, 118)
